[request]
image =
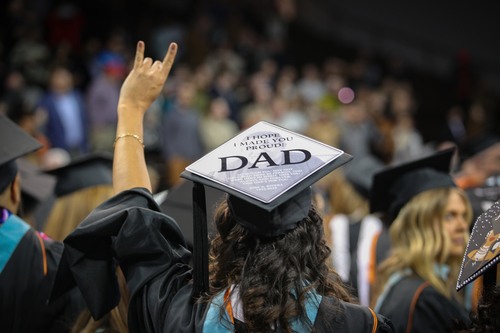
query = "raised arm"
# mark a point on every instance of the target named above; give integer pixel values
(141, 87)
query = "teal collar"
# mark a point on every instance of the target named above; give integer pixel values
(442, 270)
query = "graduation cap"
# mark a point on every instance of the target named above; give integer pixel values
(483, 249)
(360, 173)
(393, 187)
(15, 143)
(85, 171)
(36, 186)
(267, 172)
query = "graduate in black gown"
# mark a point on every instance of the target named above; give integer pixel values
(430, 222)
(28, 259)
(268, 267)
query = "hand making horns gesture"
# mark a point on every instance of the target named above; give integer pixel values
(141, 87)
(146, 79)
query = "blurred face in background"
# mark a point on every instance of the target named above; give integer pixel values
(355, 113)
(61, 81)
(219, 109)
(455, 224)
(186, 94)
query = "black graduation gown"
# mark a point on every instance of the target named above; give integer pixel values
(25, 285)
(150, 248)
(432, 312)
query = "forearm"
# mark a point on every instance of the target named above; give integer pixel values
(141, 87)
(129, 163)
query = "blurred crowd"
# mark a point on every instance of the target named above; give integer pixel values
(64, 62)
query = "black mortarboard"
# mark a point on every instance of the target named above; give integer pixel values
(15, 142)
(36, 186)
(360, 173)
(483, 249)
(393, 187)
(267, 171)
(85, 171)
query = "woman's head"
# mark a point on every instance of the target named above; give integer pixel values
(429, 231)
(432, 227)
(269, 271)
(238, 244)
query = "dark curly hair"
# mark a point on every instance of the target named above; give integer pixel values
(486, 319)
(273, 275)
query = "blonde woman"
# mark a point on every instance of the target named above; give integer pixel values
(429, 232)
(81, 186)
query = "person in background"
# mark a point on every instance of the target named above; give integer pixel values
(66, 124)
(429, 230)
(81, 186)
(268, 262)
(351, 230)
(101, 98)
(181, 139)
(216, 127)
(28, 259)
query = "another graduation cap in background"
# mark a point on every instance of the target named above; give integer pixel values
(15, 143)
(483, 250)
(85, 171)
(267, 172)
(360, 173)
(36, 186)
(397, 185)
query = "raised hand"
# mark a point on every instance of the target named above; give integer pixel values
(145, 81)
(141, 87)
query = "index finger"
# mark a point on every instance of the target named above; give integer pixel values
(168, 61)
(139, 54)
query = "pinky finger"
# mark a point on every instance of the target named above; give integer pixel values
(168, 61)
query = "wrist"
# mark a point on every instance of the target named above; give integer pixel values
(131, 109)
(130, 122)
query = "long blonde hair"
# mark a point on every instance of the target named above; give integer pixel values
(69, 210)
(418, 240)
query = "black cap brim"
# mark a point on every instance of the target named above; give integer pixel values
(85, 171)
(402, 182)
